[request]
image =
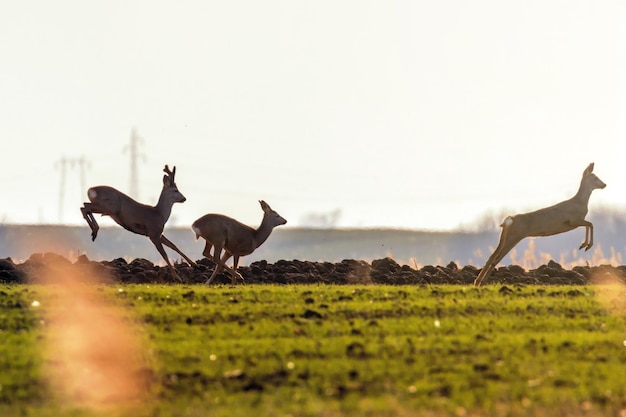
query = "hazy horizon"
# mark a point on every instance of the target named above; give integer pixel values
(488, 222)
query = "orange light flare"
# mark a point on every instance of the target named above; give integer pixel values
(94, 354)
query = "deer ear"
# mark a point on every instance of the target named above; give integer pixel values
(589, 169)
(166, 180)
(264, 205)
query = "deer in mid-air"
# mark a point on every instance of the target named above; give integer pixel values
(137, 217)
(235, 238)
(562, 217)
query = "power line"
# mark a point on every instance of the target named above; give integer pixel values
(64, 163)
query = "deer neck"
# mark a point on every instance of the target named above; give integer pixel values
(164, 205)
(263, 232)
(584, 193)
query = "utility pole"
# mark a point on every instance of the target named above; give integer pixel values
(135, 140)
(63, 164)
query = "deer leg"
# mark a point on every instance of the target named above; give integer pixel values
(221, 265)
(218, 266)
(233, 272)
(91, 221)
(504, 246)
(208, 281)
(157, 243)
(170, 245)
(207, 249)
(588, 243)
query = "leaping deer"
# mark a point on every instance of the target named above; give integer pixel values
(237, 239)
(137, 217)
(562, 217)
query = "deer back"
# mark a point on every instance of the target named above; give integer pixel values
(108, 200)
(225, 232)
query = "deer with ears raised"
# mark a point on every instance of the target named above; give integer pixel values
(137, 217)
(235, 238)
(562, 217)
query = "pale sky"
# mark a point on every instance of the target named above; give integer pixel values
(411, 114)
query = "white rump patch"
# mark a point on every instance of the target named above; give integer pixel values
(507, 222)
(196, 230)
(92, 194)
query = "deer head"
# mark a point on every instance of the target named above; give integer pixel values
(169, 185)
(275, 218)
(591, 178)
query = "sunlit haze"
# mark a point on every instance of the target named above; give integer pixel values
(409, 114)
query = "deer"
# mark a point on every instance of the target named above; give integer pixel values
(136, 217)
(562, 217)
(235, 238)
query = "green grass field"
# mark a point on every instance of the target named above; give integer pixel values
(329, 351)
